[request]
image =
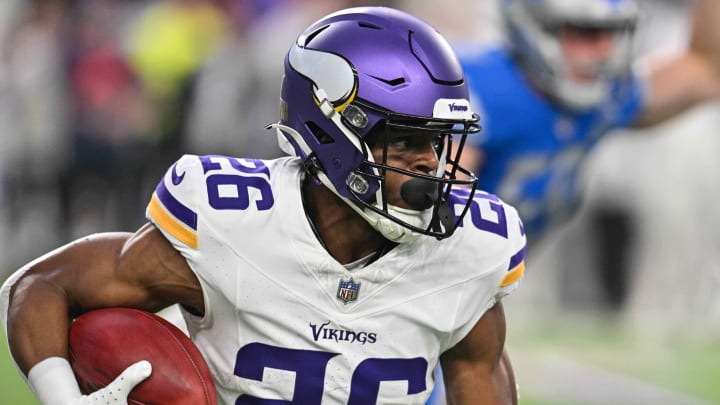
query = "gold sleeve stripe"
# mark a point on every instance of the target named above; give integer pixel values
(513, 275)
(170, 224)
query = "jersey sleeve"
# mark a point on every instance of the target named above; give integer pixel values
(173, 205)
(497, 266)
(515, 269)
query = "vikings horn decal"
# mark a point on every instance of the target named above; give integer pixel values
(327, 71)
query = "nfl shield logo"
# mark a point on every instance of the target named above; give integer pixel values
(348, 290)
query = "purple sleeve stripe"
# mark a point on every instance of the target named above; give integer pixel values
(517, 258)
(179, 211)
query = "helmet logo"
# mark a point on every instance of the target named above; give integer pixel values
(452, 109)
(327, 71)
(456, 107)
(348, 290)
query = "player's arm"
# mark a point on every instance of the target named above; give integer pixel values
(140, 270)
(692, 77)
(477, 371)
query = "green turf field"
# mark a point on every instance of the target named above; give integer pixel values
(13, 390)
(687, 365)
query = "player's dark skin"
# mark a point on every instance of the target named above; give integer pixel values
(142, 270)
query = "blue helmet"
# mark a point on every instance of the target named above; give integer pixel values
(365, 69)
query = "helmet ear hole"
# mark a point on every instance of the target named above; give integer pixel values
(320, 135)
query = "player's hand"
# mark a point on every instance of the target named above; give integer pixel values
(117, 391)
(53, 382)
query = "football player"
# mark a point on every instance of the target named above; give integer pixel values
(342, 274)
(564, 82)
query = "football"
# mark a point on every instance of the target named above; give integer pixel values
(104, 342)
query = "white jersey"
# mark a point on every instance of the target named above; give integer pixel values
(285, 321)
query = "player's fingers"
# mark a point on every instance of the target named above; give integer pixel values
(118, 390)
(132, 376)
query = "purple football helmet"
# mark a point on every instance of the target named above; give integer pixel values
(365, 69)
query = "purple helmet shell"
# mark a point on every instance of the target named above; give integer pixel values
(359, 67)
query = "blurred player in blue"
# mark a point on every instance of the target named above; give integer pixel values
(563, 83)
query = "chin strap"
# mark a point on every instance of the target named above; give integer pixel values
(394, 231)
(387, 227)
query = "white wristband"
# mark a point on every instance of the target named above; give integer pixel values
(53, 382)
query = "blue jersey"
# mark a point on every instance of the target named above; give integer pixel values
(533, 147)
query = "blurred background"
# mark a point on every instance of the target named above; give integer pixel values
(98, 97)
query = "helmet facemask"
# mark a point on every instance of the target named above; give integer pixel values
(424, 195)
